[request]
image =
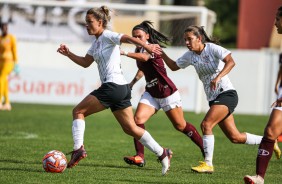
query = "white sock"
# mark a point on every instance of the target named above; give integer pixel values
(78, 128)
(208, 144)
(149, 142)
(253, 139)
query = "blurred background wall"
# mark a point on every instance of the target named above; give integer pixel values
(48, 77)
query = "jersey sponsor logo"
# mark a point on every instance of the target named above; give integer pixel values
(152, 83)
(263, 152)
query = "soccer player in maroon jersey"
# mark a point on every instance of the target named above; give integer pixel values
(160, 91)
(272, 130)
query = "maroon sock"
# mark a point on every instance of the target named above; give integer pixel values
(194, 135)
(264, 155)
(138, 146)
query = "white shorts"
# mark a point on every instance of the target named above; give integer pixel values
(166, 104)
(278, 108)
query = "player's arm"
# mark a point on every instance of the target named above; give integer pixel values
(169, 62)
(85, 61)
(229, 64)
(150, 48)
(143, 57)
(137, 77)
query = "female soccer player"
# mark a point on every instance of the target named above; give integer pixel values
(160, 90)
(272, 130)
(212, 63)
(8, 62)
(114, 93)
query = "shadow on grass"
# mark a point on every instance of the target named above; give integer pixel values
(20, 162)
(106, 180)
(21, 169)
(115, 166)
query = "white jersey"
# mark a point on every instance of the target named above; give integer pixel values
(208, 65)
(106, 53)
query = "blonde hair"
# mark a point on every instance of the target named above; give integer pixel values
(102, 13)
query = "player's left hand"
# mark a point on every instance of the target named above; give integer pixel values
(154, 49)
(277, 103)
(16, 69)
(63, 49)
(214, 82)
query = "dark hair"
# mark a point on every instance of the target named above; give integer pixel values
(102, 13)
(199, 31)
(279, 11)
(155, 37)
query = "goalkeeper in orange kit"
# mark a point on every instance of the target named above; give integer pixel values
(8, 62)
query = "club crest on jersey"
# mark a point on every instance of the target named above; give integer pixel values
(263, 152)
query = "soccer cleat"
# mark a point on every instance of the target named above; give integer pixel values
(253, 179)
(203, 168)
(277, 150)
(76, 156)
(165, 160)
(135, 160)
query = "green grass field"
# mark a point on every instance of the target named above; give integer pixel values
(29, 131)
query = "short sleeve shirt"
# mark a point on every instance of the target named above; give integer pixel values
(158, 84)
(208, 65)
(106, 53)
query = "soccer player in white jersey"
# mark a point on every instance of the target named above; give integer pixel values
(114, 93)
(272, 130)
(212, 63)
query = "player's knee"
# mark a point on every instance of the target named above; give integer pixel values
(206, 126)
(269, 133)
(76, 113)
(139, 120)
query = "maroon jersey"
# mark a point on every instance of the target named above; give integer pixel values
(158, 84)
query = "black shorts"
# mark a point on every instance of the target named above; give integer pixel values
(228, 98)
(113, 96)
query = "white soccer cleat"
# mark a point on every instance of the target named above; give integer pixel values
(253, 179)
(165, 160)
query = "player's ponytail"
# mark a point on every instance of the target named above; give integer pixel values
(200, 32)
(155, 37)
